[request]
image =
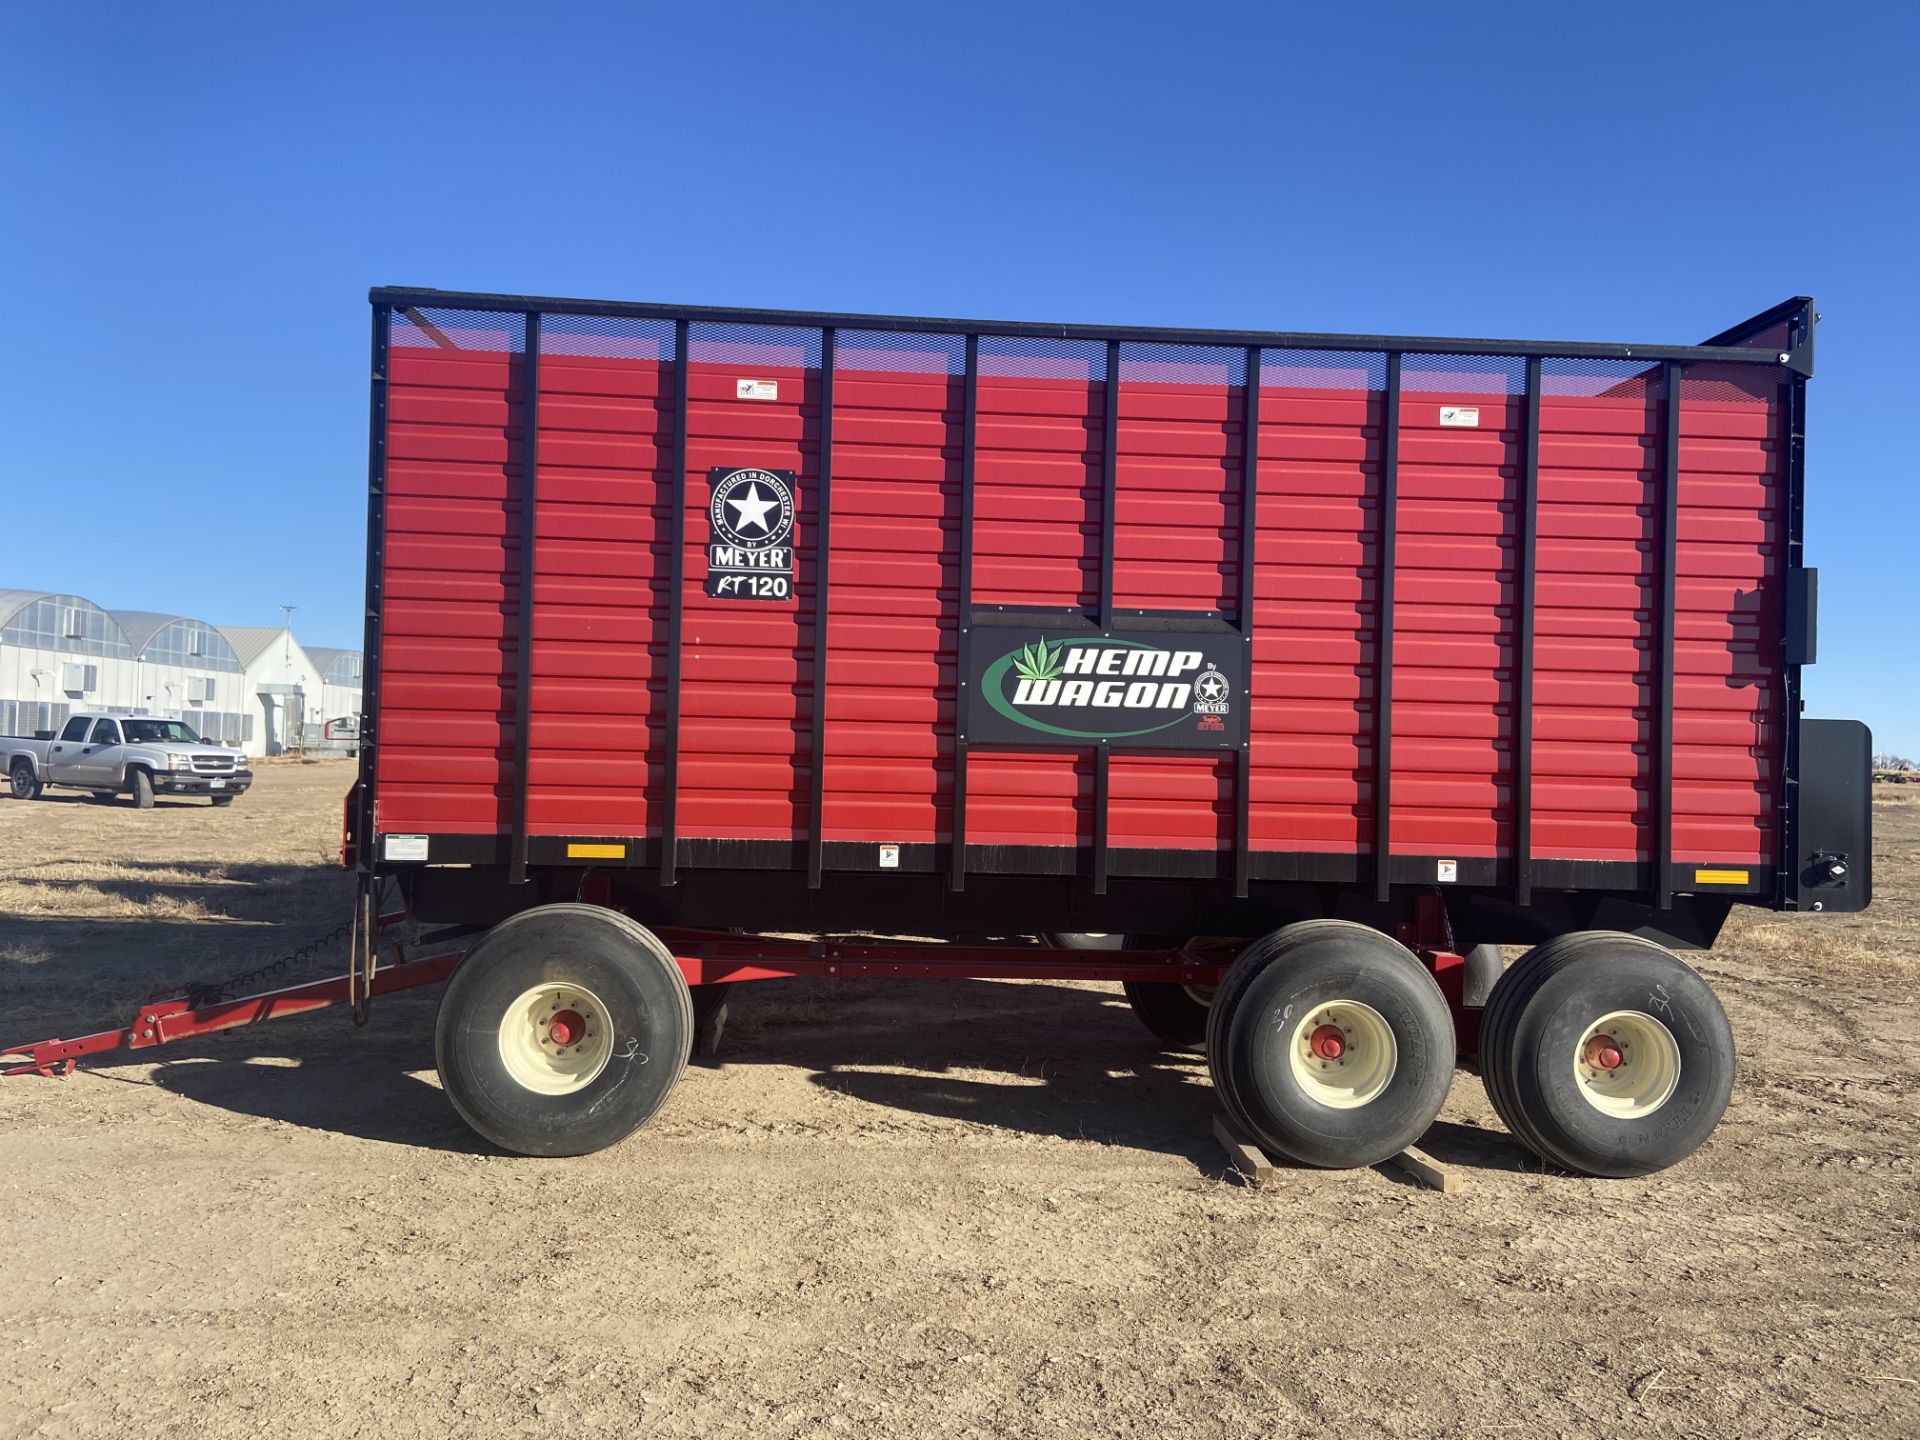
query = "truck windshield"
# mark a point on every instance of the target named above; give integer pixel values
(157, 732)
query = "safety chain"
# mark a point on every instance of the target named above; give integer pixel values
(199, 993)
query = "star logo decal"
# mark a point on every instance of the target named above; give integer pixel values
(1211, 686)
(750, 509)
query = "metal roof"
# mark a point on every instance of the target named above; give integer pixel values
(141, 626)
(324, 656)
(250, 642)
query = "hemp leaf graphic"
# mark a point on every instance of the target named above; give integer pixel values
(1038, 662)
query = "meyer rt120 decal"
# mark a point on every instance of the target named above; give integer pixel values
(750, 520)
(1150, 690)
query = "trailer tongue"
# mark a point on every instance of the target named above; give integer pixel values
(1304, 670)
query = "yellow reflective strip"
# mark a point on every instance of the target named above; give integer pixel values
(595, 852)
(1721, 877)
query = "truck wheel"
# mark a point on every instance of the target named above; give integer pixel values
(562, 1031)
(1485, 965)
(1606, 1054)
(1330, 1044)
(1176, 1013)
(709, 1019)
(22, 781)
(141, 784)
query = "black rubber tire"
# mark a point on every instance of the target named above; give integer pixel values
(140, 783)
(1170, 1012)
(635, 978)
(219, 800)
(1301, 967)
(1482, 971)
(22, 782)
(1533, 1023)
(709, 1019)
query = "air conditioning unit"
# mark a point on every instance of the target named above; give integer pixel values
(199, 689)
(79, 679)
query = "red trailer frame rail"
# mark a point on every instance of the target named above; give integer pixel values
(163, 1022)
(704, 957)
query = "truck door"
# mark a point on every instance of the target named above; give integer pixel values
(63, 755)
(100, 759)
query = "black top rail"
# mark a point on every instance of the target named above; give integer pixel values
(1720, 354)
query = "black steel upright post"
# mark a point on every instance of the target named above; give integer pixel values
(1793, 506)
(1109, 481)
(529, 534)
(1249, 512)
(1109, 495)
(1385, 561)
(822, 563)
(1670, 376)
(1523, 622)
(963, 610)
(365, 857)
(676, 607)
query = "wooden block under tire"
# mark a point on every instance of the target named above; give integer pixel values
(1428, 1171)
(1246, 1158)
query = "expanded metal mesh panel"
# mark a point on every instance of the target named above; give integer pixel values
(1738, 384)
(1464, 374)
(1005, 355)
(754, 345)
(477, 330)
(1323, 369)
(906, 354)
(606, 337)
(1183, 364)
(1590, 378)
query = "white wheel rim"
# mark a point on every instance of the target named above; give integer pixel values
(1344, 1054)
(1199, 994)
(555, 1039)
(1627, 1064)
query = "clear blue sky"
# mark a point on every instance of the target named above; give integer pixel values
(197, 197)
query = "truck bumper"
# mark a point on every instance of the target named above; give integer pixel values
(183, 782)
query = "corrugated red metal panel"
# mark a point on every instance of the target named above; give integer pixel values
(452, 574)
(893, 617)
(596, 749)
(600, 562)
(1455, 580)
(1316, 603)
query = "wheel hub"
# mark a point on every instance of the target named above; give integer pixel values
(555, 1039)
(1328, 1042)
(1343, 1054)
(1627, 1064)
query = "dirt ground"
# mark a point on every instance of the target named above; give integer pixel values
(954, 1209)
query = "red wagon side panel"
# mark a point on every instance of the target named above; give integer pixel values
(602, 749)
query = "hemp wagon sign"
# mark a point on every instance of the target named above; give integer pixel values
(1151, 690)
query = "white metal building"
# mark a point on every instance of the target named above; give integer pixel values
(185, 668)
(340, 692)
(58, 654)
(282, 684)
(251, 686)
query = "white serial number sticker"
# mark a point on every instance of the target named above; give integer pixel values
(1465, 416)
(756, 389)
(406, 847)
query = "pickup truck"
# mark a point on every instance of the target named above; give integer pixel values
(137, 755)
